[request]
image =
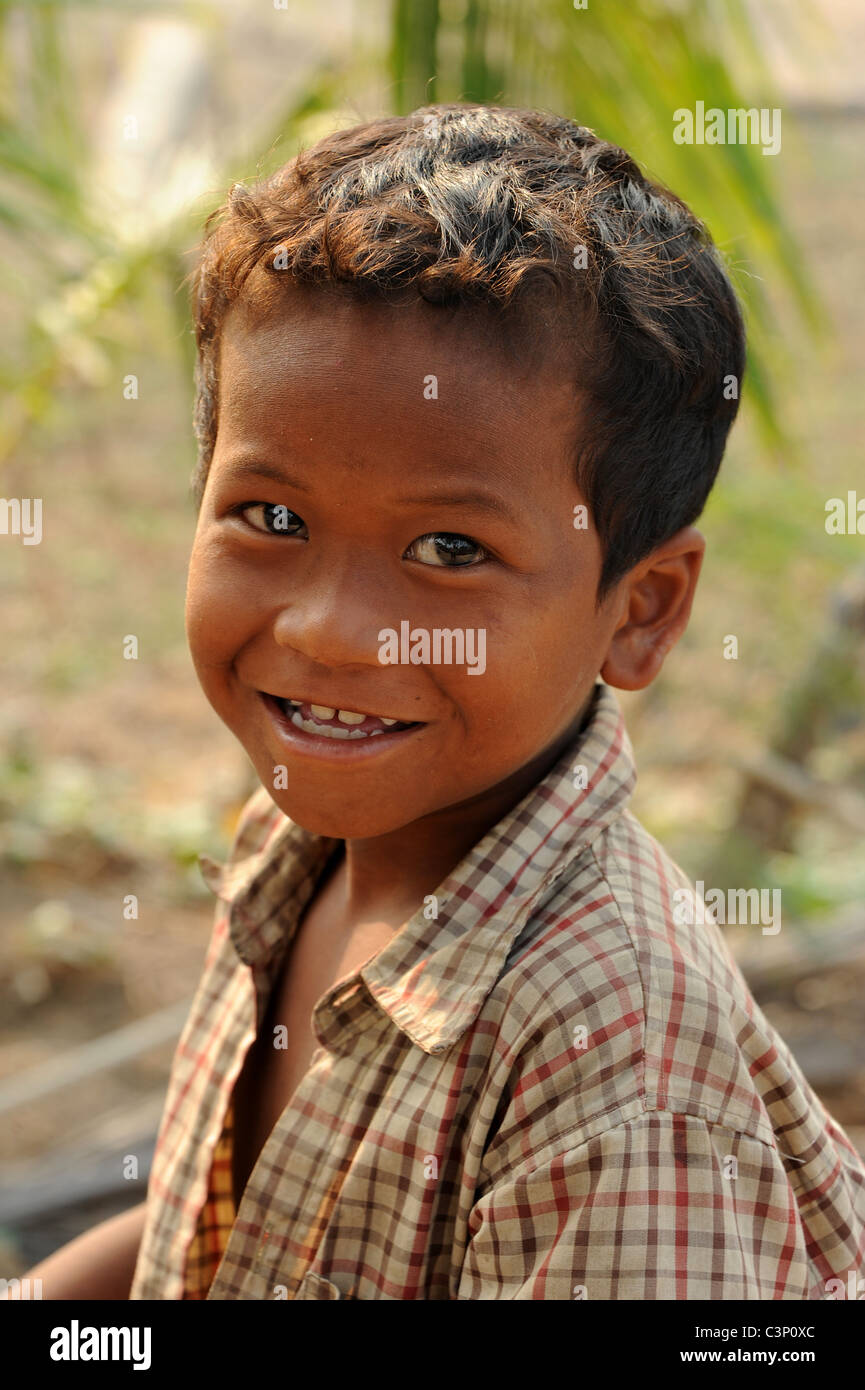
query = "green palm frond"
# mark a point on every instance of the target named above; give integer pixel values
(622, 67)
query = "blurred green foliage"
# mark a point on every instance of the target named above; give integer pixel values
(622, 67)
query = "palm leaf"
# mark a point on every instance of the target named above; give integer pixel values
(623, 67)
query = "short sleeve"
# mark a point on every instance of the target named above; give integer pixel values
(666, 1206)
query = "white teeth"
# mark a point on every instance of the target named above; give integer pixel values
(312, 728)
(328, 732)
(345, 716)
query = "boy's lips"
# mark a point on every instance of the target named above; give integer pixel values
(337, 716)
(328, 729)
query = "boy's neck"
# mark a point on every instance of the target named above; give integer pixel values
(396, 871)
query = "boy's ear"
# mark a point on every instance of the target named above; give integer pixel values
(652, 605)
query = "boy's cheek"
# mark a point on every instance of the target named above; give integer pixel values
(197, 589)
(203, 636)
(212, 677)
(214, 640)
(219, 606)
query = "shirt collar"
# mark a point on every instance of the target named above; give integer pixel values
(434, 975)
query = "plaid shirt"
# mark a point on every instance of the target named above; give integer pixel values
(550, 1091)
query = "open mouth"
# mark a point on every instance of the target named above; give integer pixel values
(328, 722)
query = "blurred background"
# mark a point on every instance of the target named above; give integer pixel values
(121, 126)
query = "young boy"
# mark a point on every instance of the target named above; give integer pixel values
(463, 389)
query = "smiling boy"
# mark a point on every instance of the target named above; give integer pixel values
(451, 1041)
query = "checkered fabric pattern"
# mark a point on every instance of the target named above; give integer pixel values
(551, 1090)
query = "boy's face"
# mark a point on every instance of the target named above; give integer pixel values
(384, 433)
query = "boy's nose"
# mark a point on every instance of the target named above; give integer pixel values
(336, 623)
(325, 641)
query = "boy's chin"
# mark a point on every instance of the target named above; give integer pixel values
(343, 823)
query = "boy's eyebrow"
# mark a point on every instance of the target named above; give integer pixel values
(486, 502)
(253, 469)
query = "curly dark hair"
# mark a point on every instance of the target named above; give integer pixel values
(468, 205)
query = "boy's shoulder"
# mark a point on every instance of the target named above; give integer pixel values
(605, 958)
(617, 1009)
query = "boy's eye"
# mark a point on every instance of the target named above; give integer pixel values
(274, 520)
(442, 548)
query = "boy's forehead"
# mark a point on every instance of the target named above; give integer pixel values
(399, 355)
